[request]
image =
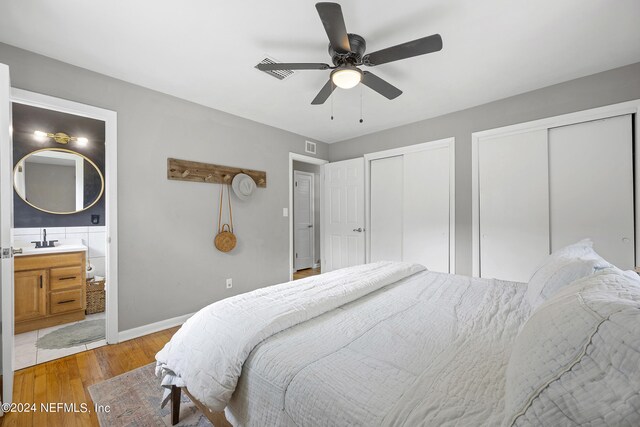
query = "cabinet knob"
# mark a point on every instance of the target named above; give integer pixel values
(625, 240)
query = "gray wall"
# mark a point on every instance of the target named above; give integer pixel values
(168, 265)
(315, 170)
(610, 87)
(51, 187)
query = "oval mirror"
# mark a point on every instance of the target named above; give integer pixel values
(58, 181)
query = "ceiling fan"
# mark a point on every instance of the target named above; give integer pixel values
(347, 53)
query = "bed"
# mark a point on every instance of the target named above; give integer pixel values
(394, 344)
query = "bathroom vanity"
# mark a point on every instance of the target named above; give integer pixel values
(49, 286)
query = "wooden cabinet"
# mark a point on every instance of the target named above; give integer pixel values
(49, 290)
(30, 295)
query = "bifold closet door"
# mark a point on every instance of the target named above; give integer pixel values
(386, 188)
(591, 187)
(513, 205)
(426, 209)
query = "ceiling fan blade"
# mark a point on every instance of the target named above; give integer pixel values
(333, 21)
(324, 93)
(292, 66)
(384, 88)
(406, 50)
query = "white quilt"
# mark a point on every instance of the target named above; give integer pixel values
(431, 350)
(207, 354)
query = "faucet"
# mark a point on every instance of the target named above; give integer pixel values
(45, 243)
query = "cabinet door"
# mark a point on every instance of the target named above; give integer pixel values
(514, 205)
(30, 295)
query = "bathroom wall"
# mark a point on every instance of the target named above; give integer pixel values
(92, 237)
(26, 120)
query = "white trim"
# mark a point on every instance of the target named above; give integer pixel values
(111, 194)
(314, 161)
(6, 223)
(629, 107)
(440, 143)
(313, 218)
(151, 328)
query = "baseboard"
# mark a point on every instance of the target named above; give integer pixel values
(140, 331)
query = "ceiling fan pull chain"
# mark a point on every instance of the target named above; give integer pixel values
(361, 104)
(331, 100)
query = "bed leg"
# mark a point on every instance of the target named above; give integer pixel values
(175, 404)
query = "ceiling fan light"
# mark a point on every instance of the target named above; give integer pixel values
(346, 78)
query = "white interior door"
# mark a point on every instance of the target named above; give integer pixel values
(386, 209)
(6, 222)
(426, 208)
(344, 214)
(303, 220)
(513, 182)
(591, 187)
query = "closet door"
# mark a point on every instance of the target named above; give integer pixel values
(386, 209)
(426, 209)
(591, 187)
(513, 205)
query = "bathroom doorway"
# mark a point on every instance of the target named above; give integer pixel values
(65, 284)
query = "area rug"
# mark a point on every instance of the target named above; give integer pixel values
(134, 399)
(73, 335)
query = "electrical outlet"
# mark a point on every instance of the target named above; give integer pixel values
(229, 283)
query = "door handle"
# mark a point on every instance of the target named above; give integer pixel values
(16, 251)
(359, 229)
(310, 226)
(41, 281)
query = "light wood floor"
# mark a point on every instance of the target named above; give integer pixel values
(301, 274)
(67, 379)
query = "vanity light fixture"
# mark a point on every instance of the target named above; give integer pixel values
(60, 137)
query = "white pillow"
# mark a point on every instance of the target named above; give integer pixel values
(577, 359)
(561, 268)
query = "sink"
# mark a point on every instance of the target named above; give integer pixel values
(71, 245)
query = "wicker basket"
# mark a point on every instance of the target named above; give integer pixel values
(95, 296)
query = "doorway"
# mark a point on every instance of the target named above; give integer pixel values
(65, 292)
(305, 220)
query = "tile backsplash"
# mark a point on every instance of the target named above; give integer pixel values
(93, 238)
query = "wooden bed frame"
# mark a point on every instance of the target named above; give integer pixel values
(217, 418)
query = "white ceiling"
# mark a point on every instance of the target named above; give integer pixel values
(205, 51)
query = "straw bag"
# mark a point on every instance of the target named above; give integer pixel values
(225, 240)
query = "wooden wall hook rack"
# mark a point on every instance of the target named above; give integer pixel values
(185, 170)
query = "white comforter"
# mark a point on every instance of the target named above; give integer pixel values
(207, 354)
(429, 350)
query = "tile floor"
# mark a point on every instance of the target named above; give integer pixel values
(25, 352)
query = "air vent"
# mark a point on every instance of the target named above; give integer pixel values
(310, 147)
(278, 74)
